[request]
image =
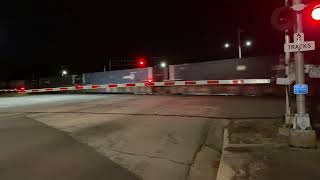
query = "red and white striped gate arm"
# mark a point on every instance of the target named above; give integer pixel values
(154, 84)
(8, 90)
(72, 88)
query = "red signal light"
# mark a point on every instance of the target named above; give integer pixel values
(20, 89)
(142, 62)
(316, 13)
(283, 18)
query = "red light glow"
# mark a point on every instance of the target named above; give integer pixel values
(316, 14)
(141, 62)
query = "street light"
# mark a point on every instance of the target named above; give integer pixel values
(64, 73)
(163, 64)
(240, 45)
(248, 43)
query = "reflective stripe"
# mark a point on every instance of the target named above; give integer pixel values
(95, 86)
(113, 85)
(130, 85)
(201, 82)
(169, 83)
(213, 81)
(237, 81)
(140, 84)
(122, 85)
(159, 84)
(190, 82)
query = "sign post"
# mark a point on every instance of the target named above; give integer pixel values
(302, 134)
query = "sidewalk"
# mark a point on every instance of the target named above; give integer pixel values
(253, 150)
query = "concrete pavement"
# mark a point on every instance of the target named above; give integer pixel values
(155, 137)
(33, 151)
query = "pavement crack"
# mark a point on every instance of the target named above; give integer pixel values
(204, 136)
(151, 157)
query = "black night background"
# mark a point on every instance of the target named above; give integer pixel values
(39, 37)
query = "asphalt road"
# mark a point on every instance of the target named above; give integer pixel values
(113, 136)
(31, 150)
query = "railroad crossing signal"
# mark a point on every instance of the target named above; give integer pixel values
(284, 18)
(315, 14)
(141, 62)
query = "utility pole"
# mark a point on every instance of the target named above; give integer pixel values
(288, 118)
(110, 68)
(239, 43)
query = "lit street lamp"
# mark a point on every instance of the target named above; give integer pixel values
(64, 73)
(248, 43)
(163, 64)
(240, 45)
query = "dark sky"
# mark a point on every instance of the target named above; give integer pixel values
(39, 37)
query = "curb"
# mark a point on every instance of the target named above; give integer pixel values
(228, 170)
(225, 172)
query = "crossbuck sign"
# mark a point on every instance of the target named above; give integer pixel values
(299, 44)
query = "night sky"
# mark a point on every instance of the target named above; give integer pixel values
(40, 37)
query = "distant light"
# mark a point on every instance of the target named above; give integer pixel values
(64, 72)
(163, 64)
(141, 62)
(22, 88)
(316, 14)
(150, 80)
(226, 45)
(248, 43)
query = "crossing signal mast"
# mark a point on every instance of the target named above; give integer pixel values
(289, 19)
